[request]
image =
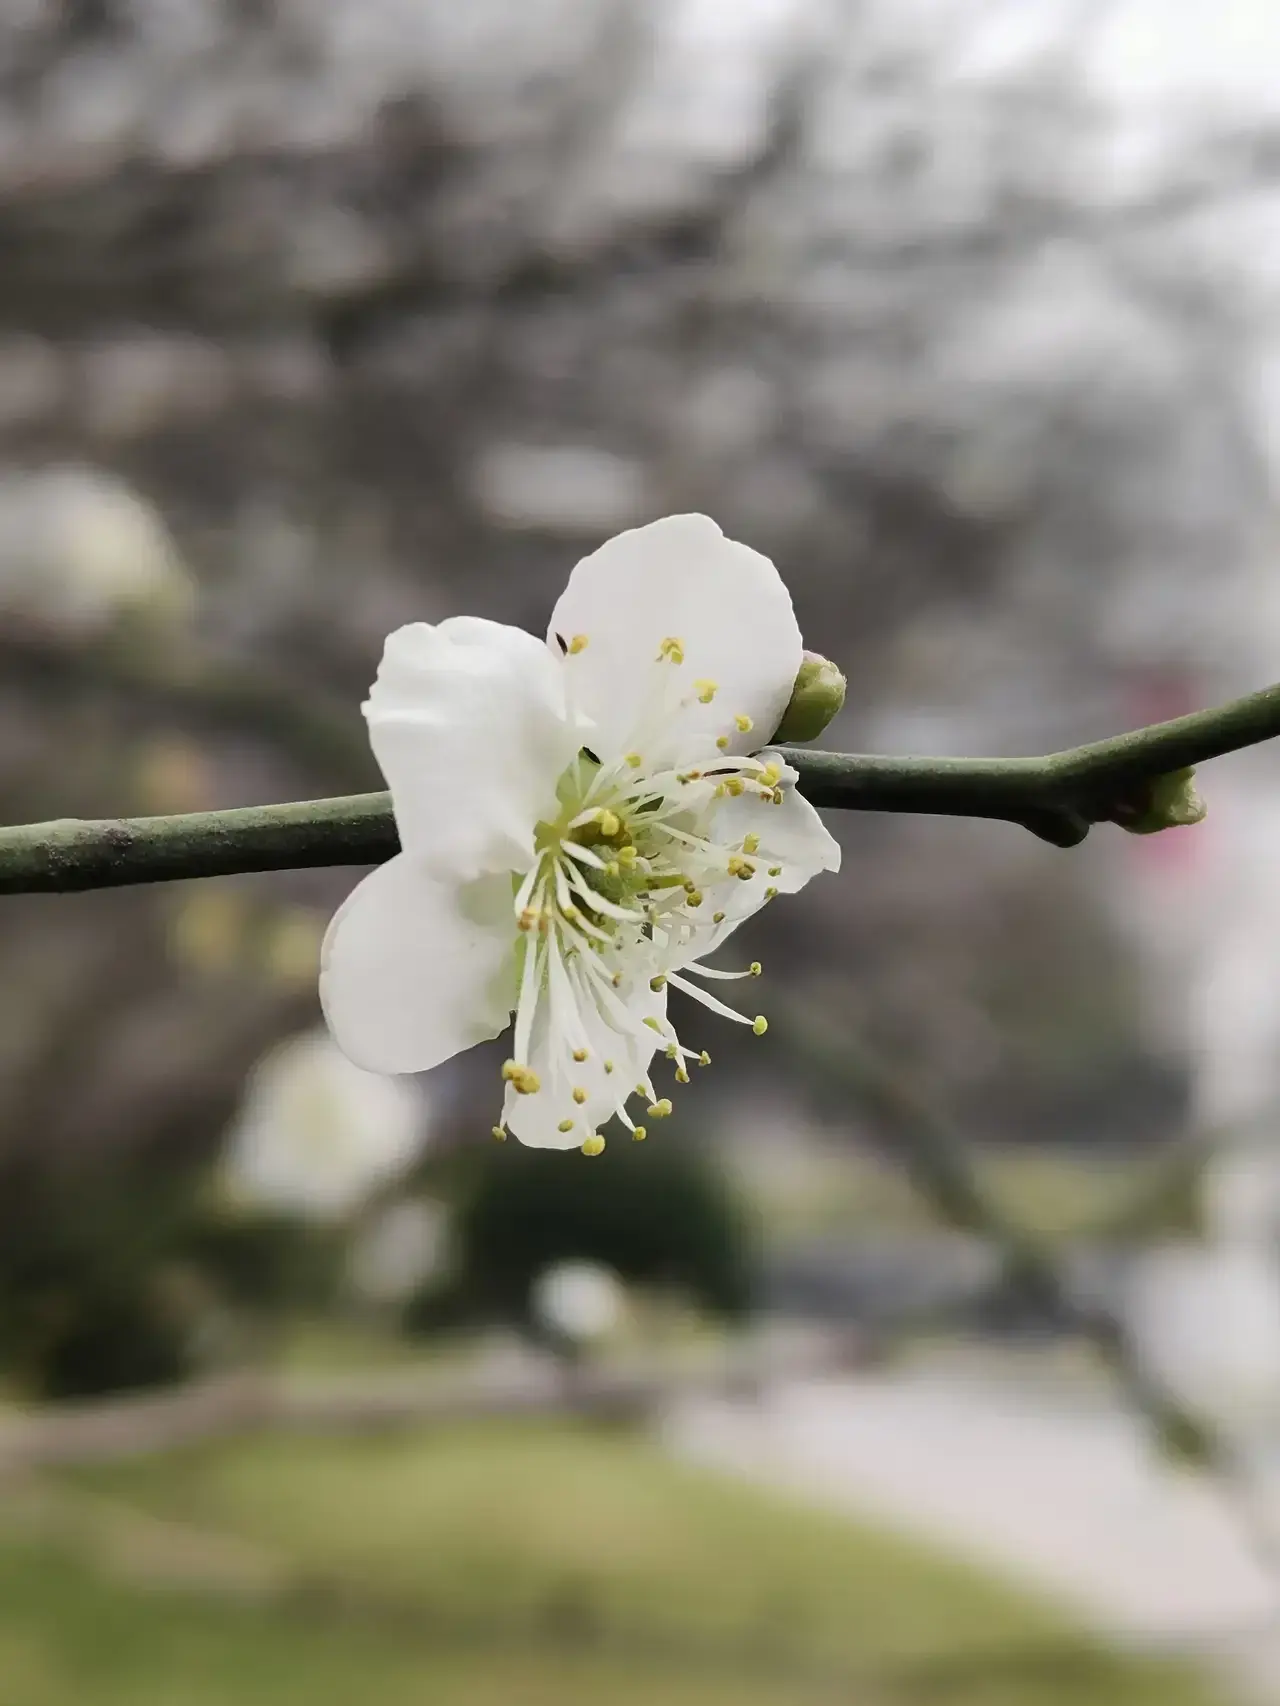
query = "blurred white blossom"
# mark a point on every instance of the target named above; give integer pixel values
(316, 1134)
(581, 1301)
(80, 548)
(400, 1249)
(1205, 1323)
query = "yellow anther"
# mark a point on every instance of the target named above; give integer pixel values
(755, 968)
(733, 785)
(639, 1134)
(642, 1090)
(565, 1125)
(660, 1109)
(722, 741)
(769, 893)
(772, 773)
(500, 1133)
(613, 869)
(706, 690)
(577, 644)
(634, 760)
(653, 1023)
(759, 1024)
(751, 843)
(525, 1081)
(717, 917)
(682, 1077)
(571, 914)
(743, 723)
(672, 1052)
(579, 1094)
(655, 984)
(704, 1059)
(694, 898)
(608, 1066)
(529, 918)
(579, 1054)
(543, 924)
(616, 980)
(610, 823)
(775, 870)
(671, 649)
(777, 796)
(627, 856)
(594, 1144)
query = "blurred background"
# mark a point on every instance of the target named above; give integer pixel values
(932, 1353)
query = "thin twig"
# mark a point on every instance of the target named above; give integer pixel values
(937, 1160)
(1057, 797)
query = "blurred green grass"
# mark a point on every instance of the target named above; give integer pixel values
(1057, 1193)
(505, 1563)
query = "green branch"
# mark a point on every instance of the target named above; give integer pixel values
(1133, 779)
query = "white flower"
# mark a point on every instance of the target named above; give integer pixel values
(581, 827)
(79, 548)
(401, 1249)
(316, 1134)
(578, 1300)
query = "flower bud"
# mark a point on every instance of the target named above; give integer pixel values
(815, 699)
(1166, 802)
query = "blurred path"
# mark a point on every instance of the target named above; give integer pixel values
(1059, 1492)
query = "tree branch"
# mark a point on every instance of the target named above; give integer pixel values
(1057, 797)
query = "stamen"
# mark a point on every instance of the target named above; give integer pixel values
(522, 1079)
(594, 1145)
(577, 644)
(706, 690)
(639, 1133)
(500, 1132)
(671, 650)
(743, 723)
(759, 1024)
(579, 1094)
(660, 1109)
(565, 1125)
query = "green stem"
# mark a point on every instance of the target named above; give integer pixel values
(1057, 797)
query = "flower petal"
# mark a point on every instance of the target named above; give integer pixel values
(467, 721)
(678, 578)
(413, 971)
(792, 836)
(536, 1119)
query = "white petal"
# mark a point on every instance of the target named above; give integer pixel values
(536, 1119)
(679, 578)
(792, 835)
(467, 721)
(413, 971)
